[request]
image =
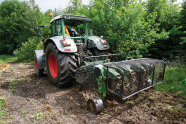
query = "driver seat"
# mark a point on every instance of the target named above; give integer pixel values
(72, 33)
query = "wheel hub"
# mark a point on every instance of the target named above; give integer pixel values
(53, 66)
(36, 64)
(95, 104)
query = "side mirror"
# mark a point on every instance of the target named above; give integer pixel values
(38, 32)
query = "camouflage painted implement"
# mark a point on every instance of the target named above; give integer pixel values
(122, 78)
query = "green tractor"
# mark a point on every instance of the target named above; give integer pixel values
(64, 51)
(68, 57)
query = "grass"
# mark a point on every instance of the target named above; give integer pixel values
(174, 81)
(2, 107)
(24, 111)
(21, 65)
(3, 62)
(38, 116)
(7, 58)
(13, 85)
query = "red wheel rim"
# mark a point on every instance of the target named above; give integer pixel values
(53, 67)
(36, 64)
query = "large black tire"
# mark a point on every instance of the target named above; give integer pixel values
(39, 72)
(60, 66)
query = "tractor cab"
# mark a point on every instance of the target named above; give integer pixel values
(62, 26)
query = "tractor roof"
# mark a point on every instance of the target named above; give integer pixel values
(71, 17)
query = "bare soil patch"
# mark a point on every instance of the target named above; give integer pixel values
(31, 99)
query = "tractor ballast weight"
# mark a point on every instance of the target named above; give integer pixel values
(67, 58)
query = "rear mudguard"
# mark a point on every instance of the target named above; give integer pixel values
(57, 40)
(39, 56)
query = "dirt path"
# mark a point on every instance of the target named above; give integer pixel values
(31, 99)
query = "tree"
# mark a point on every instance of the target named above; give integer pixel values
(74, 7)
(18, 21)
(183, 17)
(123, 25)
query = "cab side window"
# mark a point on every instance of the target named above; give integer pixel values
(58, 27)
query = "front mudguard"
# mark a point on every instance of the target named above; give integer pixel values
(39, 54)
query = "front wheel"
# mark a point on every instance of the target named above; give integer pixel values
(60, 66)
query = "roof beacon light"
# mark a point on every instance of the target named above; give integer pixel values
(51, 15)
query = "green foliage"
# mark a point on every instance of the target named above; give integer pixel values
(26, 52)
(2, 107)
(13, 85)
(7, 58)
(167, 47)
(40, 45)
(174, 81)
(74, 7)
(18, 22)
(183, 16)
(3, 62)
(167, 13)
(132, 28)
(122, 23)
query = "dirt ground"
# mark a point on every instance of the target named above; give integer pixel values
(31, 99)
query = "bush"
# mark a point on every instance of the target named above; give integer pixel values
(26, 52)
(7, 58)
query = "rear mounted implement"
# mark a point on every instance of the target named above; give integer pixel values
(122, 78)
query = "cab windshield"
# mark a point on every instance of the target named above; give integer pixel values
(76, 28)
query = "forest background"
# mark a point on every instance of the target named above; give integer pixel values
(154, 28)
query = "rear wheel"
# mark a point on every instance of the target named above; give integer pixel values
(39, 72)
(60, 66)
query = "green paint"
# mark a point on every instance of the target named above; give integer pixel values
(63, 27)
(86, 29)
(101, 82)
(54, 28)
(102, 78)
